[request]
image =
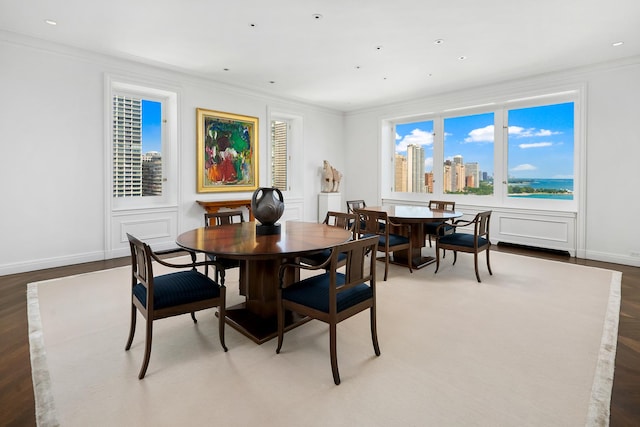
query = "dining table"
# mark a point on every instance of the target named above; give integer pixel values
(260, 259)
(417, 216)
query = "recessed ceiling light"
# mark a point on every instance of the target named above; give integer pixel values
(357, 67)
(50, 22)
(378, 48)
(438, 41)
(272, 81)
(252, 25)
(462, 57)
(225, 69)
(317, 16)
(618, 44)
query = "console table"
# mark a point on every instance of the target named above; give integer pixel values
(212, 207)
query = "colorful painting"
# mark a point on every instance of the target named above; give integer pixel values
(227, 157)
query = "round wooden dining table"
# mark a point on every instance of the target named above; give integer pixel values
(260, 258)
(417, 216)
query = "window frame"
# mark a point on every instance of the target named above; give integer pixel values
(168, 101)
(500, 109)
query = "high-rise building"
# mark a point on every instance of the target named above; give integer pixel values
(152, 174)
(472, 169)
(127, 146)
(415, 169)
(428, 182)
(400, 173)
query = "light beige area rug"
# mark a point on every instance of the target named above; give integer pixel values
(532, 345)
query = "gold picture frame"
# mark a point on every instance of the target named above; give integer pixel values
(227, 151)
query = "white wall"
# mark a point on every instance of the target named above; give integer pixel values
(52, 164)
(605, 230)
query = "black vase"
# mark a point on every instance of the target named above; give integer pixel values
(267, 205)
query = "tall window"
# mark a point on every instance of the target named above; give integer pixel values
(137, 146)
(279, 159)
(413, 163)
(541, 152)
(468, 154)
(521, 152)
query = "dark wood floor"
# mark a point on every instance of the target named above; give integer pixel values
(16, 389)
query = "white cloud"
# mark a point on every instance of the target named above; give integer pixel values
(524, 167)
(545, 132)
(535, 145)
(520, 132)
(416, 137)
(484, 134)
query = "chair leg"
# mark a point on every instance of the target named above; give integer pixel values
(132, 330)
(488, 265)
(222, 313)
(455, 257)
(280, 309)
(437, 258)
(475, 264)
(147, 349)
(374, 331)
(334, 353)
(386, 265)
(193, 316)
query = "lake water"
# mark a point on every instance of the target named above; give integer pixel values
(547, 183)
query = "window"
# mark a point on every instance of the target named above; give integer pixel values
(279, 158)
(143, 147)
(468, 154)
(137, 147)
(413, 160)
(520, 153)
(541, 152)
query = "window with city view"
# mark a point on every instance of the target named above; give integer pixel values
(137, 147)
(541, 152)
(522, 152)
(468, 154)
(413, 163)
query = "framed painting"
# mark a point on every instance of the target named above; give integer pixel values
(227, 152)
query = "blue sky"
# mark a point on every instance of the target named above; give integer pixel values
(151, 126)
(540, 141)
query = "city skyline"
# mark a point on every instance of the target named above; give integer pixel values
(540, 141)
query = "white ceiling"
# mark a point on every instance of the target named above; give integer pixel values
(279, 47)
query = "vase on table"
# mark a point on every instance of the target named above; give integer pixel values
(267, 205)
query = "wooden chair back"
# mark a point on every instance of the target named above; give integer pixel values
(223, 218)
(352, 205)
(442, 205)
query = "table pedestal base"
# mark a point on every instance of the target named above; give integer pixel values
(257, 328)
(417, 261)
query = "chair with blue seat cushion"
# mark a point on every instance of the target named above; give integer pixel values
(214, 219)
(332, 297)
(342, 220)
(180, 292)
(391, 236)
(430, 227)
(474, 243)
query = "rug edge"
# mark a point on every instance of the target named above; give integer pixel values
(600, 402)
(46, 414)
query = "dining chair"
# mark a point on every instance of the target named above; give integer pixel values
(215, 219)
(430, 227)
(342, 220)
(474, 243)
(180, 292)
(333, 296)
(352, 205)
(377, 223)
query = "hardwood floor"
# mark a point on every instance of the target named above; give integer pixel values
(16, 388)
